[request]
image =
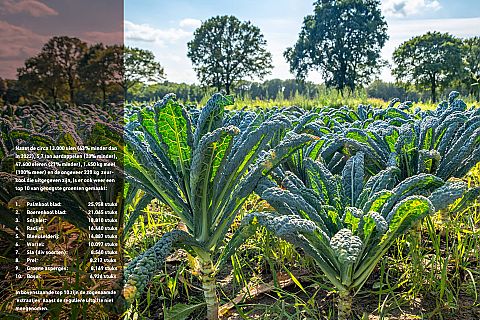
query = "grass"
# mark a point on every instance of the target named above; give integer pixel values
(327, 97)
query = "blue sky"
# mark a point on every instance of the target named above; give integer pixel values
(165, 27)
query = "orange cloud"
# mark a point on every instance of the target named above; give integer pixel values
(32, 7)
(103, 37)
(18, 44)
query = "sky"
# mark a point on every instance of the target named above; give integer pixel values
(25, 25)
(165, 26)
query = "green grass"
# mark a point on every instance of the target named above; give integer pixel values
(328, 97)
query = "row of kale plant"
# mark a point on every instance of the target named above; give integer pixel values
(344, 183)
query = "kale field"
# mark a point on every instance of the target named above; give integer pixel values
(286, 213)
(301, 212)
(314, 160)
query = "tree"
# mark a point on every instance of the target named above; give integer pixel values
(66, 52)
(3, 89)
(140, 65)
(54, 69)
(430, 61)
(471, 59)
(342, 40)
(101, 69)
(41, 77)
(225, 50)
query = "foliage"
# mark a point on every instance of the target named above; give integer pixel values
(443, 141)
(101, 69)
(56, 67)
(203, 165)
(42, 126)
(140, 66)
(342, 39)
(67, 69)
(225, 50)
(386, 90)
(347, 224)
(471, 59)
(431, 60)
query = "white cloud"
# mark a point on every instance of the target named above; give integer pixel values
(32, 7)
(283, 33)
(402, 8)
(147, 33)
(190, 23)
(168, 45)
(403, 30)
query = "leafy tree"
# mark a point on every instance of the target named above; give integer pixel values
(225, 50)
(430, 61)
(140, 65)
(101, 68)
(54, 69)
(66, 52)
(388, 90)
(3, 88)
(471, 58)
(13, 92)
(42, 77)
(342, 40)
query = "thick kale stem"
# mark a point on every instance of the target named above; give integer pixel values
(344, 305)
(207, 277)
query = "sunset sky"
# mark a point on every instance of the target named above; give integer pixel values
(25, 25)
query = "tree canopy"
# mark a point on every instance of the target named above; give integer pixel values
(431, 60)
(67, 69)
(225, 50)
(140, 65)
(342, 40)
(55, 68)
(471, 59)
(101, 68)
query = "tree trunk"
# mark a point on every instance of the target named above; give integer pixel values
(434, 88)
(71, 90)
(207, 277)
(72, 96)
(54, 96)
(125, 92)
(344, 305)
(227, 88)
(104, 94)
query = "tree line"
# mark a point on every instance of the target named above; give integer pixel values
(67, 70)
(341, 40)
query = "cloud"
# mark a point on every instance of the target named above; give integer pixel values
(18, 44)
(402, 8)
(32, 7)
(190, 23)
(168, 45)
(17, 40)
(103, 37)
(147, 33)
